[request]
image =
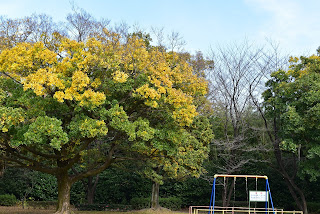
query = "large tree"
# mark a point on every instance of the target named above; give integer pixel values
(86, 105)
(292, 101)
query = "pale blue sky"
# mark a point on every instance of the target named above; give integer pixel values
(295, 24)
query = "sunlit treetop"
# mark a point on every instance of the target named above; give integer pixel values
(82, 72)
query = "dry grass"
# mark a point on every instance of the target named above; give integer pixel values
(20, 210)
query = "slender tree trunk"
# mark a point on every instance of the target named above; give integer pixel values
(2, 167)
(293, 188)
(229, 194)
(274, 137)
(224, 193)
(64, 186)
(91, 188)
(155, 196)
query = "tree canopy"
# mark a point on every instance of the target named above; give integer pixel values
(293, 99)
(88, 104)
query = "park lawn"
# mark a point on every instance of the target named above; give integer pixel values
(20, 210)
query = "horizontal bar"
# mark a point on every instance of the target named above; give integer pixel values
(241, 176)
(236, 208)
(248, 211)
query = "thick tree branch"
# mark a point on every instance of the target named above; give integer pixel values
(109, 160)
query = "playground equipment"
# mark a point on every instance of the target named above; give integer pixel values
(261, 196)
(252, 196)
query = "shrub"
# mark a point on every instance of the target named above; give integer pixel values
(8, 200)
(314, 207)
(140, 203)
(172, 203)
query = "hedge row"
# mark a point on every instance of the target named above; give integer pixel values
(8, 200)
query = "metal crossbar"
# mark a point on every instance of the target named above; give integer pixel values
(227, 209)
(240, 176)
(244, 211)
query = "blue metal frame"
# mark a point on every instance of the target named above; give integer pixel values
(213, 196)
(267, 183)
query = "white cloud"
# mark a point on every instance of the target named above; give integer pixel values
(293, 23)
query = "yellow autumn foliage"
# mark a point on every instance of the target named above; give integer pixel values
(79, 72)
(120, 76)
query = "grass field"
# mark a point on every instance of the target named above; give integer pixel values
(20, 210)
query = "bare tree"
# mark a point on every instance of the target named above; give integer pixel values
(12, 31)
(158, 34)
(176, 41)
(237, 82)
(34, 28)
(122, 28)
(41, 27)
(237, 78)
(82, 24)
(171, 42)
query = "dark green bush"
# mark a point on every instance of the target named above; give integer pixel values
(122, 186)
(172, 203)
(140, 203)
(8, 200)
(314, 207)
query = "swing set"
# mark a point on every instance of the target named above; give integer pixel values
(255, 196)
(252, 196)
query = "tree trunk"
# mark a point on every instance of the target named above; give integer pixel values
(293, 188)
(230, 194)
(91, 188)
(274, 138)
(224, 193)
(302, 203)
(2, 167)
(155, 196)
(64, 186)
(227, 193)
